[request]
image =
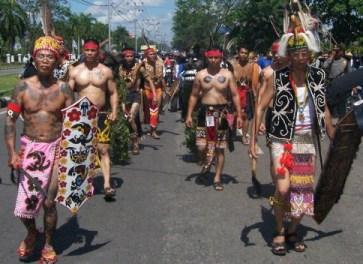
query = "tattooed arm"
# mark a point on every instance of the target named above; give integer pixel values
(68, 94)
(10, 122)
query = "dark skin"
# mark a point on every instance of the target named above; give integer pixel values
(41, 98)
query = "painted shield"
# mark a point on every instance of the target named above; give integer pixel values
(337, 165)
(78, 154)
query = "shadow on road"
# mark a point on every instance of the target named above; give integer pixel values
(116, 183)
(161, 132)
(70, 233)
(207, 179)
(188, 158)
(267, 227)
(153, 147)
(267, 190)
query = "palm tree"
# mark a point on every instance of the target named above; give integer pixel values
(81, 26)
(13, 21)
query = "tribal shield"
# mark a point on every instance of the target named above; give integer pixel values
(77, 154)
(338, 163)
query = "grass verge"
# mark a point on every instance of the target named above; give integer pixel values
(7, 84)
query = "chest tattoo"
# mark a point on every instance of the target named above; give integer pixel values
(98, 74)
(207, 79)
(221, 79)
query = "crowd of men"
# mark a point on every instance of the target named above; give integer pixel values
(281, 95)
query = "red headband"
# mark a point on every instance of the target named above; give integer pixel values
(213, 53)
(275, 47)
(147, 51)
(128, 53)
(91, 45)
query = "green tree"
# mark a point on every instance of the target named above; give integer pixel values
(197, 22)
(121, 38)
(256, 24)
(344, 17)
(13, 21)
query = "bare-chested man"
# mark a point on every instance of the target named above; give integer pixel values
(39, 99)
(95, 80)
(267, 81)
(129, 73)
(153, 91)
(213, 85)
(246, 73)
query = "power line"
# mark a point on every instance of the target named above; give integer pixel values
(85, 2)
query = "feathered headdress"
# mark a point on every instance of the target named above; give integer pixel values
(300, 29)
(46, 43)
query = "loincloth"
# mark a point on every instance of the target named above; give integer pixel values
(133, 97)
(242, 91)
(37, 160)
(212, 128)
(104, 128)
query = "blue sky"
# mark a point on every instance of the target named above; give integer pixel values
(155, 16)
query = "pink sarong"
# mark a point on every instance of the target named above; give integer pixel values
(37, 159)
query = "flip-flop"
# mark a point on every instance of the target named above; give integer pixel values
(295, 242)
(110, 192)
(218, 186)
(49, 256)
(279, 248)
(26, 247)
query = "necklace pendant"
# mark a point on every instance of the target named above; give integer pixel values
(301, 117)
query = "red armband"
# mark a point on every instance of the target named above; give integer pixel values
(14, 107)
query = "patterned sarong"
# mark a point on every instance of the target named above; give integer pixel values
(212, 129)
(301, 198)
(37, 159)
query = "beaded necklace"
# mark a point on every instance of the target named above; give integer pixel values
(300, 104)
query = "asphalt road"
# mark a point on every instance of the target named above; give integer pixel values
(15, 70)
(164, 215)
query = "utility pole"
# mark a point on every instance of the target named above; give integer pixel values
(136, 9)
(135, 34)
(109, 25)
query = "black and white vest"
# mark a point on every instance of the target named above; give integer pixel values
(284, 110)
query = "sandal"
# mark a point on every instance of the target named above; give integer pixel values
(48, 256)
(109, 192)
(205, 169)
(154, 135)
(246, 139)
(295, 243)
(27, 246)
(135, 149)
(279, 248)
(218, 186)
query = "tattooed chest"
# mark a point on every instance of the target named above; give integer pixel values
(42, 99)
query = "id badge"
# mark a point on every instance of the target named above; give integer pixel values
(210, 121)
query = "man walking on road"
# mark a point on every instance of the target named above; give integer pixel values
(95, 80)
(247, 75)
(153, 69)
(213, 85)
(39, 99)
(299, 117)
